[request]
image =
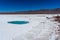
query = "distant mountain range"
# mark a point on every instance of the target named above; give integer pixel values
(43, 11)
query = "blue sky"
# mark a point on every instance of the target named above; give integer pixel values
(23, 5)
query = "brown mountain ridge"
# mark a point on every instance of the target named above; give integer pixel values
(43, 11)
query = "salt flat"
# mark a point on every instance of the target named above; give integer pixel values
(38, 28)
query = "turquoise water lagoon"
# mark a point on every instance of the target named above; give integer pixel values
(18, 22)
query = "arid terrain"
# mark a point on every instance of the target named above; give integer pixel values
(42, 11)
(43, 25)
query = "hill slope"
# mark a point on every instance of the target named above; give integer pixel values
(43, 11)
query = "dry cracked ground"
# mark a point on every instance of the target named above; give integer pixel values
(41, 27)
(47, 29)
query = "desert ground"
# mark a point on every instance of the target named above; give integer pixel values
(40, 27)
